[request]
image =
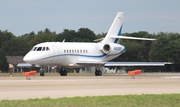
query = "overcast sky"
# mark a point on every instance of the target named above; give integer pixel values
(153, 16)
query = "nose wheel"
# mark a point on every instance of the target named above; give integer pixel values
(98, 73)
(63, 72)
(42, 73)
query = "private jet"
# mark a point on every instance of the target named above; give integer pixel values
(79, 54)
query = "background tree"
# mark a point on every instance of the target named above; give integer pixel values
(5, 36)
(26, 38)
(46, 36)
(86, 35)
(136, 50)
(66, 35)
(102, 35)
(166, 49)
(4, 66)
(16, 47)
(82, 35)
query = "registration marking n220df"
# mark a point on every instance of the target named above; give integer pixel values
(117, 48)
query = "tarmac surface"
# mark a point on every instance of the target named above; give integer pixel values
(72, 86)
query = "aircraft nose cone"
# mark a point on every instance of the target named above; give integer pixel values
(26, 59)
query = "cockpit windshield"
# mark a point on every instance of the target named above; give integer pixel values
(34, 48)
(40, 49)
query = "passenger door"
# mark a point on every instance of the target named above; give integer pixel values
(56, 55)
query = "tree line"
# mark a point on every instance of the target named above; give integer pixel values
(165, 49)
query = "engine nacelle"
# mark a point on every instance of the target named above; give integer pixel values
(113, 49)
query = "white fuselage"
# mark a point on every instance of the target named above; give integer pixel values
(67, 54)
(74, 55)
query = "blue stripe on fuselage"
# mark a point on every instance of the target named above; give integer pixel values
(90, 56)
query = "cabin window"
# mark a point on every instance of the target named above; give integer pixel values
(39, 48)
(44, 48)
(64, 51)
(47, 49)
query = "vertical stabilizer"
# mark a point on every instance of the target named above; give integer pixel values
(115, 29)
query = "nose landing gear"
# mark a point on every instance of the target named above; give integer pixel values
(42, 73)
(63, 72)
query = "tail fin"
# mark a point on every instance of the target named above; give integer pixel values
(115, 29)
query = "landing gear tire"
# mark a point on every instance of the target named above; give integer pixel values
(98, 73)
(63, 72)
(41, 73)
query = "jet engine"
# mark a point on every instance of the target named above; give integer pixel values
(112, 49)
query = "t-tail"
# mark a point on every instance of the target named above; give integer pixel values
(115, 29)
(114, 33)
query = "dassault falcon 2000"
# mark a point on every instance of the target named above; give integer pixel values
(77, 55)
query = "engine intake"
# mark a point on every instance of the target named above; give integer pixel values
(106, 48)
(112, 49)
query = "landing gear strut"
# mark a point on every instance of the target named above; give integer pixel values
(42, 73)
(98, 73)
(63, 72)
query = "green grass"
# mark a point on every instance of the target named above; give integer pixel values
(164, 100)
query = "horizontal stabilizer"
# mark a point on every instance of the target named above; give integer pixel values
(136, 38)
(125, 37)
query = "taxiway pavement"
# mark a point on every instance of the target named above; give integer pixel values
(71, 86)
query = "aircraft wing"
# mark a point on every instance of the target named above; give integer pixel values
(123, 63)
(90, 63)
(136, 63)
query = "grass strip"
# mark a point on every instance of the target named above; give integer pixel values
(144, 100)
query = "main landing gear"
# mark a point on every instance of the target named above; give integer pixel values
(63, 72)
(98, 73)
